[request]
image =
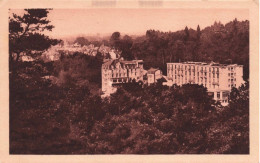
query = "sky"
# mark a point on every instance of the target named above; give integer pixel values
(76, 22)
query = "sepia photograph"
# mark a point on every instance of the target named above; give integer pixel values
(129, 81)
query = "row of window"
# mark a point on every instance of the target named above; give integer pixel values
(198, 75)
(231, 74)
(124, 67)
(185, 67)
(209, 85)
(232, 85)
(190, 73)
(231, 80)
(123, 75)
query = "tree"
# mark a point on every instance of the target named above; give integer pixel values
(198, 32)
(187, 34)
(115, 39)
(82, 41)
(25, 34)
(125, 46)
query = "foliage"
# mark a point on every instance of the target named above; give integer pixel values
(25, 34)
(46, 118)
(226, 44)
(82, 41)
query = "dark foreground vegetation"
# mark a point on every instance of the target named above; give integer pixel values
(55, 107)
(51, 118)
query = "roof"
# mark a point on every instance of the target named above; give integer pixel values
(205, 64)
(114, 61)
(108, 63)
(128, 62)
(152, 70)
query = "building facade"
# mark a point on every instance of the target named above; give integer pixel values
(153, 75)
(118, 71)
(217, 78)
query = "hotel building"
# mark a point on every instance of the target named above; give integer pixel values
(217, 78)
(118, 71)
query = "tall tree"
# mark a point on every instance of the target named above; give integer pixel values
(125, 46)
(198, 32)
(115, 39)
(187, 34)
(25, 34)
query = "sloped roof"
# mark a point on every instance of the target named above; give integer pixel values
(152, 70)
(108, 63)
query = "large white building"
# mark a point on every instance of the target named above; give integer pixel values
(217, 78)
(118, 71)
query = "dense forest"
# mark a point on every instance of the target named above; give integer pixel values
(56, 108)
(221, 43)
(47, 118)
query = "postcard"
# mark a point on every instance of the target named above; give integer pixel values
(129, 81)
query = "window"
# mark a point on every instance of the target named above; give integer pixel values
(218, 95)
(228, 74)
